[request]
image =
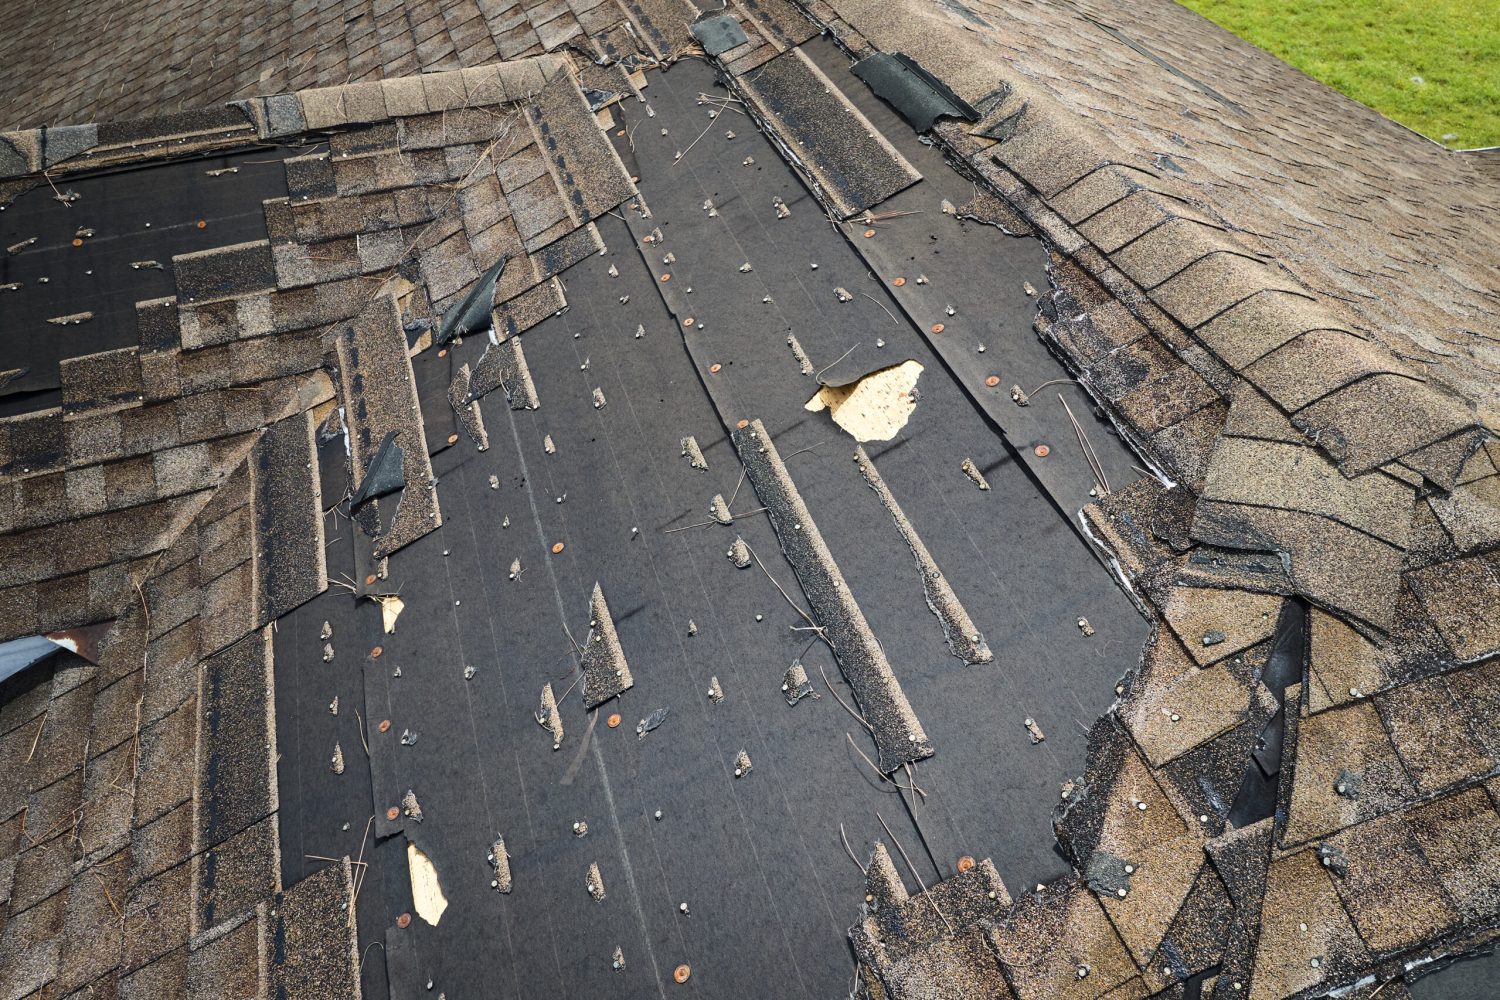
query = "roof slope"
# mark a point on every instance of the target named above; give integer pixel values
(1282, 302)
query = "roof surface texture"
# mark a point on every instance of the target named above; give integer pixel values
(499, 266)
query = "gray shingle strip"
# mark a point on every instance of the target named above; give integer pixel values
(585, 166)
(378, 393)
(236, 770)
(224, 272)
(290, 561)
(899, 737)
(964, 639)
(718, 33)
(467, 410)
(851, 164)
(919, 96)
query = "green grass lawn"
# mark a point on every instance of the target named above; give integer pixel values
(1432, 65)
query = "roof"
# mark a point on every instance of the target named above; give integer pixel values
(596, 323)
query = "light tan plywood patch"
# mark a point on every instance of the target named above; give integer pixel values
(874, 407)
(426, 892)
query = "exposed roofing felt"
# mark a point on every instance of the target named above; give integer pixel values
(1294, 788)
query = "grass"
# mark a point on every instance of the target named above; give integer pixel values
(1432, 65)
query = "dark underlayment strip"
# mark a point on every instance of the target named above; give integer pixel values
(899, 737)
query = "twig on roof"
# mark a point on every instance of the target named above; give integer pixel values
(914, 871)
(570, 688)
(872, 217)
(786, 595)
(324, 857)
(360, 881)
(857, 717)
(845, 838)
(55, 191)
(367, 952)
(737, 486)
(882, 305)
(105, 888)
(841, 357)
(702, 524)
(145, 609)
(1088, 449)
(788, 458)
(679, 157)
(878, 772)
(38, 738)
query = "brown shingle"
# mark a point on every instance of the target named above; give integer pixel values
(1431, 735)
(1350, 741)
(1461, 597)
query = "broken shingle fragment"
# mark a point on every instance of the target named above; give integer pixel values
(503, 366)
(972, 471)
(472, 313)
(650, 723)
(605, 671)
(466, 408)
(385, 475)
(548, 717)
(500, 863)
(795, 685)
(693, 453)
(964, 638)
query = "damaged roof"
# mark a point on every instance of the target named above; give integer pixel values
(374, 377)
